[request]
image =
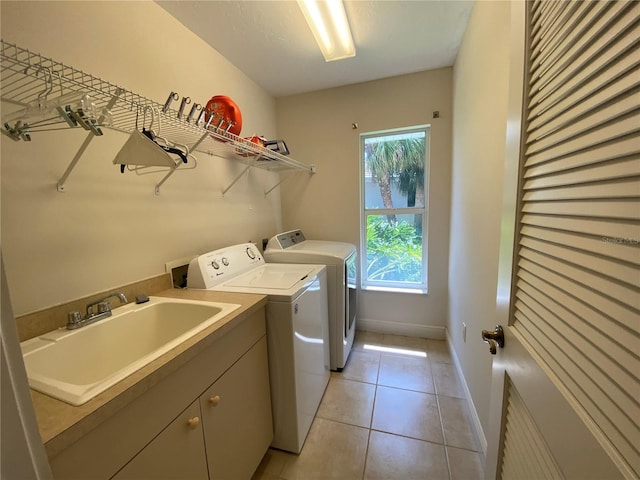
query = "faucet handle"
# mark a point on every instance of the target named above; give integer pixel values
(103, 307)
(99, 307)
(73, 319)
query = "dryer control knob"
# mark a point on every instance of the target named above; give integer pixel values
(215, 265)
(225, 261)
(251, 253)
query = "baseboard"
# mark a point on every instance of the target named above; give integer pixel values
(482, 439)
(398, 328)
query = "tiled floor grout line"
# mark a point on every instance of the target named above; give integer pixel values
(408, 437)
(443, 444)
(373, 408)
(444, 438)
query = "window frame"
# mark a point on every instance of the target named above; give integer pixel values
(385, 285)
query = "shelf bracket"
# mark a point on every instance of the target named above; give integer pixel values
(85, 144)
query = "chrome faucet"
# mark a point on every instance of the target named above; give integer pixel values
(95, 311)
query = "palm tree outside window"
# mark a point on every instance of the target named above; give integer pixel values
(394, 166)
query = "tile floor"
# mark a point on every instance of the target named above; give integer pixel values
(396, 411)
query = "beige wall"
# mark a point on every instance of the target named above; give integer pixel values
(318, 129)
(480, 85)
(110, 229)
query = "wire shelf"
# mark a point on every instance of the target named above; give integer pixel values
(30, 81)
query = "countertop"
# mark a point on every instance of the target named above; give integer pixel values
(62, 424)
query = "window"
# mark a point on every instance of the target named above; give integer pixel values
(393, 225)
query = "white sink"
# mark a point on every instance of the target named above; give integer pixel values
(76, 365)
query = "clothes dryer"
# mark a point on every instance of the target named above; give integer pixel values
(341, 261)
(297, 330)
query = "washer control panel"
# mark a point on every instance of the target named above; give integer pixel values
(215, 267)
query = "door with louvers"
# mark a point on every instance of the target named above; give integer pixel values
(566, 384)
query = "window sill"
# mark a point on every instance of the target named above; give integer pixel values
(371, 288)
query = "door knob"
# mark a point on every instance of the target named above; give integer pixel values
(495, 338)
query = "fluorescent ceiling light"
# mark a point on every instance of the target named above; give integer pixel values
(330, 27)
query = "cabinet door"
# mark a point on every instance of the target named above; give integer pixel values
(176, 453)
(236, 413)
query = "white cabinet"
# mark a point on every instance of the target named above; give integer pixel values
(177, 453)
(234, 410)
(211, 418)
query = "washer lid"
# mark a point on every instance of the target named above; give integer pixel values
(273, 276)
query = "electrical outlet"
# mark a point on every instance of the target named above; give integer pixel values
(464, 332)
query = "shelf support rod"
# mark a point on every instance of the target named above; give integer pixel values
(197, 144)
(236, 179)
(85, 144)
(166, 177)
(276, 185)
(242, 173)
(312, 170)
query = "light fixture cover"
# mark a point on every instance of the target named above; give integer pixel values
(328, 22)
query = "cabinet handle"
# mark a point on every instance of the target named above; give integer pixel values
(193, 422)
(214, 401)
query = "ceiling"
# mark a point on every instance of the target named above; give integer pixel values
(271, 43)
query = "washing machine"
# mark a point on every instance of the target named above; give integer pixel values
(341, 261)
(297, 330)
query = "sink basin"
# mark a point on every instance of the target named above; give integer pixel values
(76, 365)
